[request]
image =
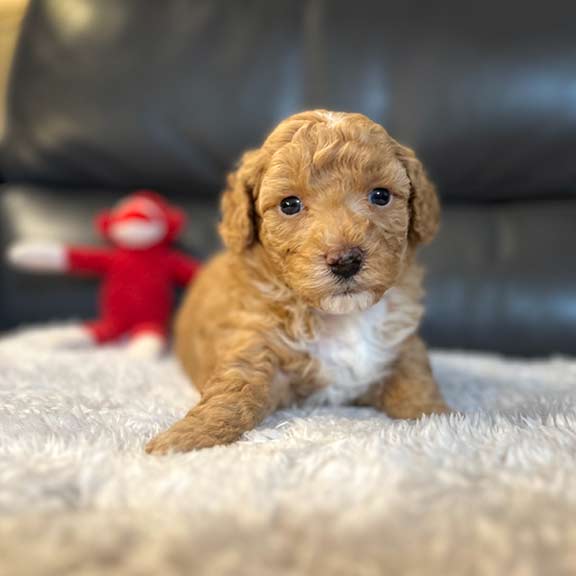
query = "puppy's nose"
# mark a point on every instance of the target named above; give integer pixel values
(345, 263)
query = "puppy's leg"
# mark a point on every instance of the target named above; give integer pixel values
(410, 390)
(234, 400)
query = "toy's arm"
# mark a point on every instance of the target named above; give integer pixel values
(38, 256)
(52, 257)
(88, 260)
(184, 268)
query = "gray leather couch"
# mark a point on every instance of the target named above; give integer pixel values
(111, 95)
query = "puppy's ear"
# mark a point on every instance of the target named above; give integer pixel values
(424, 203)
(238, 225)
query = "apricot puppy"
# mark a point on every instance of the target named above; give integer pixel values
(317, 297)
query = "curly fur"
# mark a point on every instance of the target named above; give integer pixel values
(267, 323)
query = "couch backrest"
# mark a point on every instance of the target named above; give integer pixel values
(167, 94)
(109, 95)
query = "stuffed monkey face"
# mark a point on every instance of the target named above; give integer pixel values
(137, 234)
(137, 223)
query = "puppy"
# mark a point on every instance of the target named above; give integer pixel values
(317, 297)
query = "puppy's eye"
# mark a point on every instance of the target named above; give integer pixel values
(380, 196)
(291, 205)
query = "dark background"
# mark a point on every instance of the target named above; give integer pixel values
(110, 95)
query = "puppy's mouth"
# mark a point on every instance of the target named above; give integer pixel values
(348, 291)
(347, 300)
(348, 286)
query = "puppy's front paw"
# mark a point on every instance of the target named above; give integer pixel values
(410, 411)
(164, 444)
(436, 408)
(184, 436)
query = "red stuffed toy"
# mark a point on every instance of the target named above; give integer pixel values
(138, 272)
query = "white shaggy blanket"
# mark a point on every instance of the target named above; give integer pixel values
(328, 491)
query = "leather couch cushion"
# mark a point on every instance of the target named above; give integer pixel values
(500, 277)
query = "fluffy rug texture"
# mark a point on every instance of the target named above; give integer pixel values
(489, 490)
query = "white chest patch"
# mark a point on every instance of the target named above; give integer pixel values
(356, 350)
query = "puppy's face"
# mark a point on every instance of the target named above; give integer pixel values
(332, 202)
